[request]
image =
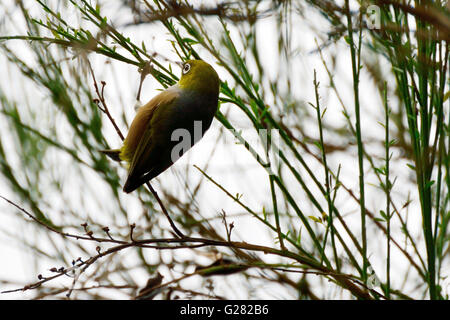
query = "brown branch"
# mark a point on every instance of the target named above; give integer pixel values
(174, 9)
(426, 13)
(101, 100)
(164, 210)
(180, 243)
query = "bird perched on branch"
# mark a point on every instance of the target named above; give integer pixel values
(169, 124)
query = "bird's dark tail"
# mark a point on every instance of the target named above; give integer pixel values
(133, 183)
(113, 154)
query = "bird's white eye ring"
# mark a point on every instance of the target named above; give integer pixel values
(186, 68)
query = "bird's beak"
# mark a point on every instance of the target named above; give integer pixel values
(179, 63)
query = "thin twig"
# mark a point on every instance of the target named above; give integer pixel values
(101, 99)
(164, 210)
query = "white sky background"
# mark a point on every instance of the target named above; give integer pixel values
(230, 164)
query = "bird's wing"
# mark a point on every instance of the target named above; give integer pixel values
(141, 132)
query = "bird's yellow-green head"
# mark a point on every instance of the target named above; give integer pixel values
(199, 76)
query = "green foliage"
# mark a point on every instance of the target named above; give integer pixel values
(307, 214)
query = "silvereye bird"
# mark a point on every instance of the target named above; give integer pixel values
(186, 108)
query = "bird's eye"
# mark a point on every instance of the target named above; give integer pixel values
(186, 68)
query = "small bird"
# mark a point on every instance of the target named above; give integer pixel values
(184, 110)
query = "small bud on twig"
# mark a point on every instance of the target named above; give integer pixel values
(132, 226)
